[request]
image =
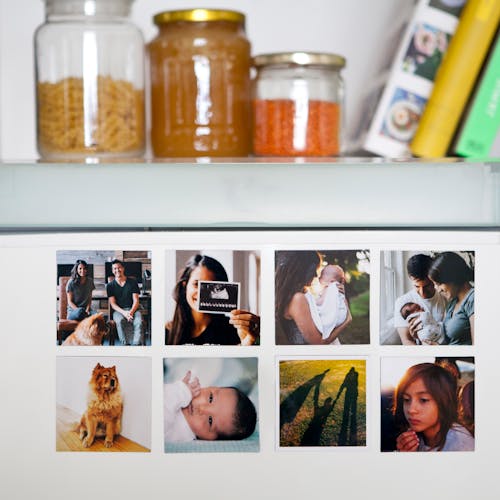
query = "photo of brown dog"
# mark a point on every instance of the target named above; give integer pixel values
(104, 407)
(103, 404)
(90, 331)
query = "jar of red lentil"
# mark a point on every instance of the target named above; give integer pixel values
(298, 104)
(200, 84)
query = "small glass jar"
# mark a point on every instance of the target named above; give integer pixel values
(89, 81)
(200, 84)
(298, 104)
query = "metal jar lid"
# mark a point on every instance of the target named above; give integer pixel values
(198, 15)
(300, 59)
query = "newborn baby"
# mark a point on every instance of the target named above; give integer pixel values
(329, 309)
(431, 331)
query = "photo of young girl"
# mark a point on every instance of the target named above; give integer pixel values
(427, 405)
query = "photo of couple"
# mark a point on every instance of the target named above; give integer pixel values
(427, 298)
(322, 297)
(103, 297)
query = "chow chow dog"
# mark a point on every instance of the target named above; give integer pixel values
(104, 407)
(90, 331)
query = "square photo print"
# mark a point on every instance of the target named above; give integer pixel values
(218, 296)
(103, 404)
(427, 404)
(402, 115)
(322, 297)
(427, 48)
(427, 297)
(103, 297)
(213, 297)
(210, 405)
(322, 402)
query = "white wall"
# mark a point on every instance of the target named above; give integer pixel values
(32, 469)
(134, 373)
(356, 29)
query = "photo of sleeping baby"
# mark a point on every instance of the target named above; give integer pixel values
(322, 297)
(427, 404)
(427, 298)
(213, 297)
(210, 405)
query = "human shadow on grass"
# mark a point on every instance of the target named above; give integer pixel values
(349, 426)
(290, 406)
(312, 435)
(348, 435)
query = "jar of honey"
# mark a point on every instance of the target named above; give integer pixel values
(200, 84)
(298, 104)
(89, 81)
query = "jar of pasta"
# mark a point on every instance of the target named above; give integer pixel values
(298, 103)
(89, 81)
(200, 84)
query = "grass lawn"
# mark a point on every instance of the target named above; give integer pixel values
(358, 332)
(311, 414)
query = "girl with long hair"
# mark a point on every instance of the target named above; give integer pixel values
(190, 326)
(426, 411)
(294, 271)
(79, 292)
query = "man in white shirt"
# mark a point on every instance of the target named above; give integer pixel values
(423, 293)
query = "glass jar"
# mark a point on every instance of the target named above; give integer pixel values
(298, 104)
(89, 81)
(200, 84)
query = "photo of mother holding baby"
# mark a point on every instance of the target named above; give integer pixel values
(311, 304)
(439, 307)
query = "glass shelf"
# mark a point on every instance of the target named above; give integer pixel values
(342, 193)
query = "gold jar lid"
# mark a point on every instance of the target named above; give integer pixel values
(199, 15)
(300, 59)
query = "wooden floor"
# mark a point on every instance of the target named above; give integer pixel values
(67, 439)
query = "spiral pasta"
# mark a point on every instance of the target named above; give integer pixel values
(106, 117)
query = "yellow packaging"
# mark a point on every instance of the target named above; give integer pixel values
(456, 77)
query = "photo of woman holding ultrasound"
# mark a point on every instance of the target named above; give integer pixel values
(208, 308)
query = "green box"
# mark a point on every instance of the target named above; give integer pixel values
(482, 121)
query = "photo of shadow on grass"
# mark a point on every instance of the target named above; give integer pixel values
(322, 402)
